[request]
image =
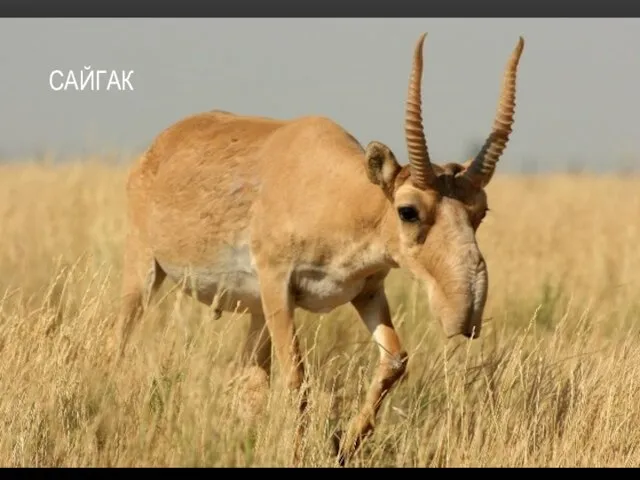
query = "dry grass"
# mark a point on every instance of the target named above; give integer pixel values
(554, 381)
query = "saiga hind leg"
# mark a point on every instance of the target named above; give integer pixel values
(141, 278)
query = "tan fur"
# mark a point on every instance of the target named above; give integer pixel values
(266, 216)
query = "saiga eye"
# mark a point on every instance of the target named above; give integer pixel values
(408, 214)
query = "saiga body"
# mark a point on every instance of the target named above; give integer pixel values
(263, 216)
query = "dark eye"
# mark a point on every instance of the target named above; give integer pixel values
(408, 214)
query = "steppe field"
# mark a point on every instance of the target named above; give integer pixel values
(554, 379)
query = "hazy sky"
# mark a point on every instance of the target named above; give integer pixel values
(578, 99)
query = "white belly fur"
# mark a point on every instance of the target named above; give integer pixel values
(233, 277)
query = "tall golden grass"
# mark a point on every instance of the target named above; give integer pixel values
(554, 380)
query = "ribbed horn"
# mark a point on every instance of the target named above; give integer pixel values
(482, 167)
(422, 173)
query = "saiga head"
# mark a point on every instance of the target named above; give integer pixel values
(436, 210)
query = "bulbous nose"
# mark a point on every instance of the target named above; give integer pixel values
(462, 313)
(472, 333)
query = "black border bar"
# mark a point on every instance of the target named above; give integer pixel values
(321, 8)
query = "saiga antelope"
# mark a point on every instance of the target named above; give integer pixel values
(268, 215)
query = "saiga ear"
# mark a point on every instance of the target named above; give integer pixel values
(382, 166)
